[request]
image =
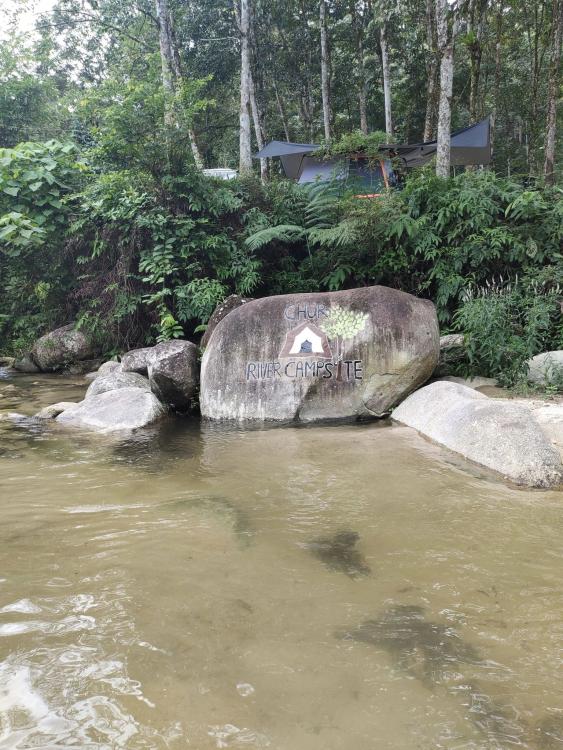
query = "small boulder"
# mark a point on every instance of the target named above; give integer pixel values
(104, 369)
(25, 364)
(173, 372)
(137, 360)
(7, 362)
(62, 347)
(546, 368)
(116, 410)
(228, 305)
(495, 433)
(115, 380)
(452, 351)
(53, 411)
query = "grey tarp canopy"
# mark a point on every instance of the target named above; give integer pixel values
(471, 145)
(291, 155)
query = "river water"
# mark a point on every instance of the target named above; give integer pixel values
(341, 587)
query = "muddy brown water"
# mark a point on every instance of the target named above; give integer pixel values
(335, 587)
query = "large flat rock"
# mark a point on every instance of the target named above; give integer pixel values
(497, 433)
(309, 357)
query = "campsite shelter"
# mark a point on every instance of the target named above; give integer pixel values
(471, 145)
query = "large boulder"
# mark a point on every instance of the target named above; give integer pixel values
(137, 360)
(546, 368)
(62, 347)
(228, 305)
(173, 372)
(495, 433)
(116, 410)
(310, 357)
(114, 380)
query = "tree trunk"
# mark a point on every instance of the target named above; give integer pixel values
(557, 23)
(325, 74)
(281, 110)
(496, 89)
(171, 74)
(446, 37)
(386, 81)
(258, 129)
(475, 33)
(245, 152)
(432, 72)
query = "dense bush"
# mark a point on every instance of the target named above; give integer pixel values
(138, 257)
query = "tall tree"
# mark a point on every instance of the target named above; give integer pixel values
(325, 70)
(554, 82)
(171, 79)
(432, 67)
(474, 36)
(386, 70)
(245, 152)
(446, 27)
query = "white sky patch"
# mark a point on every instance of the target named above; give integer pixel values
(18, 17)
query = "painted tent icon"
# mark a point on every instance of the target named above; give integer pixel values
(306, 340)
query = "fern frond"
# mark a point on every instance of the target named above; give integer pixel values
(343, 234)
(282, 233)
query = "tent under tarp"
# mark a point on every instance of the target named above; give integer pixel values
(471, 145)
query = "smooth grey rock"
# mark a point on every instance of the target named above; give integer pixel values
(104, 369)
(546, 368)
(115, 380)
(173, 372)
(122, 409)
(310, 357)
(137, 360)
(228, 305)
(475, 382)
(52, 411)
(549, 416)
(25, 364)
(495, 433)
(62, 347)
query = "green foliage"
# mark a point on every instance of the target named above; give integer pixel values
(356, 142)
(505, 324)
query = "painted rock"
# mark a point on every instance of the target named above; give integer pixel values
(309, 357)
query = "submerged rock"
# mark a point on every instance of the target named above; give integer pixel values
(221, 311)
(310, 357)
(339, 552)
(62, 347)
(426, 650)
(137, 360)
(116, 379)
(546, 368)
(495, 433)
(173, 372)
(122, 409)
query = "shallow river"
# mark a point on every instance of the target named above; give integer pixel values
(326, 588)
